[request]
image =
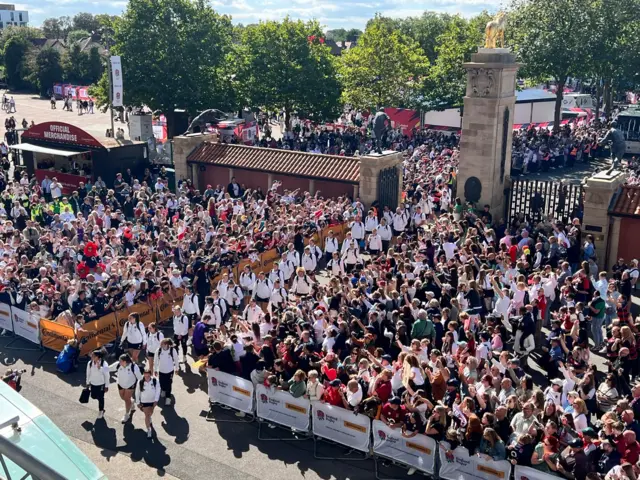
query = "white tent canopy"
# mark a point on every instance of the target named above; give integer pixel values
(28, 147)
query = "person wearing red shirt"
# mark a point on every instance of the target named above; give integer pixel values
(382, 386)
(332, 394)
(513, 250)
(393, 412)
(632, 447)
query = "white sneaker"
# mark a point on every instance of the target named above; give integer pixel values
(411, 471)
(149, 432)
(125, 419)
(168, 401)
(240, 414)
(100, 414)
(163, 394)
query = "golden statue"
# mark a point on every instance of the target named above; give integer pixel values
(494, 31)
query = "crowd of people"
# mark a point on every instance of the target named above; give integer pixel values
(427, 316)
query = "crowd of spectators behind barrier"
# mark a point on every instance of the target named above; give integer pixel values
(426, 317)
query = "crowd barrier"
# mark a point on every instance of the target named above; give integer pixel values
(373, 438)
(459, 465)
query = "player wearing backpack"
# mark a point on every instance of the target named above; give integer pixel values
(147, 396)
(135, 336)
(165, 366)
(128, 374)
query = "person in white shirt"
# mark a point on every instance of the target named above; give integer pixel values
(301, 284)
(253, 313)
(56, 188)
(133, 333)
(308, 261)
(316, 251)
(147, 396)
(247, 280)
(357, 231)
(235, 296)
(276, 274)
(351, 258)
(98, 379)
(374, 242)
(315, 389)
(262, 289)
(399, 221)
(385, 232)
(353, 395)
(371, 222)
(336, 265)
(165, 366)
(293, 256)
(278, 300)
(127, 374)
(176, 279)
(330, 245)
(348, 242)
(419, 218)
(450, 247)
(180, 330)
(191, 305)
(154, 337)
(286, 267)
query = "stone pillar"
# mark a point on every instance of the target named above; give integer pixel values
(599, 191)
(370, 167)
(183, 145)
(312, 186)
(487, 124)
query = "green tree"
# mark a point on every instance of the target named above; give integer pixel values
(48, 69)
(52, 28)
(75, 35)
(94, 66)
(352, 34)
(279, 67)
(551, 40)
(384, 69)
(15, 54)
(446, 82)
(426, 29)
(172, 53)
(85, 21)
(75, 64)
(337, 34)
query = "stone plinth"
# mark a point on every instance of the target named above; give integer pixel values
(370, 167)
(487, 124)
(599, 191)
(183, 145)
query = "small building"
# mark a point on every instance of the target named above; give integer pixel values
(9, 16)
(73, 155)
(216, 163)
(624, 213)
(54, 43)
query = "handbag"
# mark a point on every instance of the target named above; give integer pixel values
(84, 395)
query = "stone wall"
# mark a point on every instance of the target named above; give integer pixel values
(182, 147)
(370, 167)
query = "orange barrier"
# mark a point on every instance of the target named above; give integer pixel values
(98, 333)
(55, 335)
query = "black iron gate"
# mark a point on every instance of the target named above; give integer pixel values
(537, 199)
(388, 184)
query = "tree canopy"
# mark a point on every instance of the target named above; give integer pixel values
(385, 68)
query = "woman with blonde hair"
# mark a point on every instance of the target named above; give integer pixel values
(413, 376)
(579, 414)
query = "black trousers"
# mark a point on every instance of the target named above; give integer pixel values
(166, 382)
(97, 393)
(182, 342)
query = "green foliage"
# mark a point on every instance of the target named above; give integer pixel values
(57, 28)
(85, 21)
(75, 35)
(15, 53)
(426, 29)
(172, 53)
(384, 69)
(279, 68)
(342, 35)
(100, 91)
(48, 69)
(94, 66)
(75, 65)
(446, 82)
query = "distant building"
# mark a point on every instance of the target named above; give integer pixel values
(10, 16)
(55, 44)
(87, 43)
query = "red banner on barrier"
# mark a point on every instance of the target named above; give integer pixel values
(69, 182)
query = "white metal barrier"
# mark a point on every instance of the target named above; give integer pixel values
(528, 473)
(341, 426)
(459, 465)
(21, 324)
(281, 408)
(229, 391)
(418, 451)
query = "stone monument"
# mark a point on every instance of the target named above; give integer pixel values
(487, 122)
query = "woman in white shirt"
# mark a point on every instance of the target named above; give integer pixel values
(135, 336)
(147, 396)
(128, 373)
(154, 337)
(375, 242)
(98, 379)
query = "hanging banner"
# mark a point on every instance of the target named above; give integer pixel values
(528, 473)
(341, 426)
(418, 451)
(5, 317)
(97, 333)
(280, 407)
(116, 81)
(229, 390)
(55, 335)
(164, 307)
(26, 325)
(458, 465)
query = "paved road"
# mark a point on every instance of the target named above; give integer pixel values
(187, 446)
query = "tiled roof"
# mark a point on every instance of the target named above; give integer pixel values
(627, 201)
(288, 162)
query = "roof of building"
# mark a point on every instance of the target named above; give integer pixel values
(87, 43)
(47, 42)
(534, 95)
(287, 162)
(627, 202)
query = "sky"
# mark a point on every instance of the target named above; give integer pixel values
(330, 13)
